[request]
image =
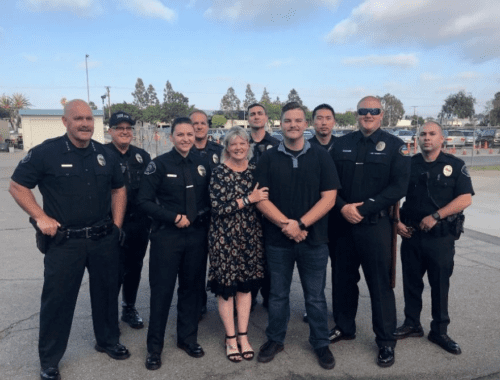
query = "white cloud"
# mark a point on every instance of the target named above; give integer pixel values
(400, 60)
(468, 75)
(30, 57)
(150, 9)
(79, 7)
(91, 64)
(429, 77)
(472, 30)
(191, 4)
(265, 12)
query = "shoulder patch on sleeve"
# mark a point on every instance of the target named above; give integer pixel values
(465, 171)
(151, 168)
(26, 158)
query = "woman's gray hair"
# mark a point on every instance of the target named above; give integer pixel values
(228, 139)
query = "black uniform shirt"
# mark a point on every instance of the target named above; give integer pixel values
(328, 147)
(435, 184)
(212, 152)
(133, 163)
(295, 186)
(386, 171)
(163, 180)
(258, 148)
(75, 183)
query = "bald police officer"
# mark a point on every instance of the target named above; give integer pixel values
(81, 185)
(133, 161)
(431, 220)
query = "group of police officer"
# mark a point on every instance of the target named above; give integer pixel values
(98, 203)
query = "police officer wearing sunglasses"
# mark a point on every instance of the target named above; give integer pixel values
(374, 174)
(133, 161)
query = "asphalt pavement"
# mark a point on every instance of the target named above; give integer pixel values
(474, 310)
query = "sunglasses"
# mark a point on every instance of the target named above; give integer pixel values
(371, 111)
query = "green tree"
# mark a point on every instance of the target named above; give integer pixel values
(152, 114)
(249, 97)
(393, 110)
(151, 96)
(92, 106)
(12, 105)
(230, 104)
(218, 121)
(175, 104)
(293, 96)
(345, 119)
(273, 111)
(494, 114)
(460, 105)
(265, 97)
(140, 94)
(131, 109)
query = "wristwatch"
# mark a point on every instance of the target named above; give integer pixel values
(302, 226)
(436, 216)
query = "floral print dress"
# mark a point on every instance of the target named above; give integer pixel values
(236, 249)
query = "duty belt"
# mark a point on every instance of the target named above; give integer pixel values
(94, 232)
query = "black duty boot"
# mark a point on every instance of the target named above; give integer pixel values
(131, 316)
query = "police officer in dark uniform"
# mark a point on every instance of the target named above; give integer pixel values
(212, 152)
(431, 220)
(174, 192)
(374, 174)
(260, 141)
(81, 185)
(133, 161)
(324, 121)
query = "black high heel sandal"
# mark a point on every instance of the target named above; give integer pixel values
(248, 352)
(233, 356)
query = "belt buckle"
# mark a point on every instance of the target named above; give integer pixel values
(87, 235)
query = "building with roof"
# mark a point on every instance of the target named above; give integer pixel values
(40, 125)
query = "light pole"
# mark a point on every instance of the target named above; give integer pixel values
(87, 69)
(103, 97)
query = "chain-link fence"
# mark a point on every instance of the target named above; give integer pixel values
(152, 139)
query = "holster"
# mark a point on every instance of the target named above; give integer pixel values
(42, 240)
(456, 224)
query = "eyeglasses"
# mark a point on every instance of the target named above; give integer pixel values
(371, 111)
(122, 129)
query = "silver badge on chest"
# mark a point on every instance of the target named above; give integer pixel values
(101, 160)
(138, 157)
(447, 170)
(380, 146)
(215, 158)
(202, 171)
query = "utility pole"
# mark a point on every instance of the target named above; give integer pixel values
(109, 101)
(87, 69)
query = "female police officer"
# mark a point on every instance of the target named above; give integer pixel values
(174, 192)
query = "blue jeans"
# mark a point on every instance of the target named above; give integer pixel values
(311, 263)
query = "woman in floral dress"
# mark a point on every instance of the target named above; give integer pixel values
(235, 240)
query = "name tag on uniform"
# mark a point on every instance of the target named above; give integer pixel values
(66, 165)
(347, 151)
(172, 175)
(189, 186)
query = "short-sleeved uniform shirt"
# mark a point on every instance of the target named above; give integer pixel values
(212, 153)
(328, 147)
(258, 148)
(295, 186)
(75, 183)
(435, 184)
(132, 163)
(162, 193)
(386, 171)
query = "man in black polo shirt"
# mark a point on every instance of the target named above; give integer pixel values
(302, 183)
(260, 141)
(374, 174)
(133, 161)
(440, 189)
(81, 185)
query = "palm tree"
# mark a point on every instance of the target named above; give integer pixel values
(12, 104)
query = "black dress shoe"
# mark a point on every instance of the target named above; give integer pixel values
(325, 357)
(336, 335)
(153, 361)
(269, 350)
(406, 331)
(385, 356)
(51, 373)
(193, 349)
(445, 342)
(131, 316)
(117, 352)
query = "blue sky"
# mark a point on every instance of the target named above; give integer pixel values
(330, 51)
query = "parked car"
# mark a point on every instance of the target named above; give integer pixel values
(455, 138)
(308, 134)
(471, 136)
(406, 136)
(491, 136)
(277, 135)
(341, 132)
